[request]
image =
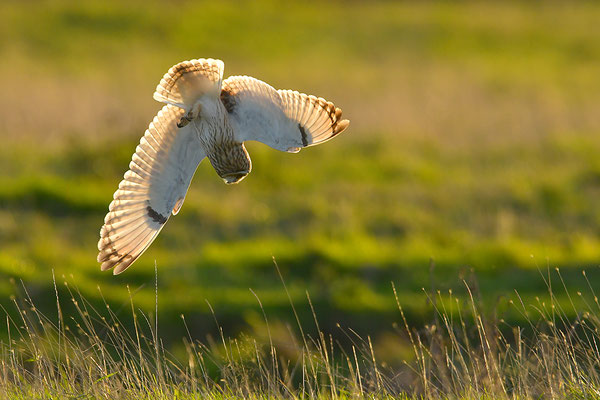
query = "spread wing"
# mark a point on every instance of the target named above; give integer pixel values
(185, 82)
(283, 119)
(154, 187)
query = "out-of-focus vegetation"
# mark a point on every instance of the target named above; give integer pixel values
(472, 151)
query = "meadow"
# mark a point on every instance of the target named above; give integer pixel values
(471, 157)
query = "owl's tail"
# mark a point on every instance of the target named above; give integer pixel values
(187, 81)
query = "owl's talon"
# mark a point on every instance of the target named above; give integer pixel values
(183, 121)
(189, 117)
(186, 119)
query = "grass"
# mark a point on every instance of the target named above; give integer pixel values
(472, 152)
(81, 351)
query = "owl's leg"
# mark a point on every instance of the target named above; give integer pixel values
(190, 115)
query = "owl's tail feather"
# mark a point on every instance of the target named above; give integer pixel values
(187, 81)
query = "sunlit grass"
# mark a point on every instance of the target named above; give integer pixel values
(473, 147)
(103, 351)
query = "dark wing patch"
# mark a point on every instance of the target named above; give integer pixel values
(303, 133)
(228, 99)
(156, 216)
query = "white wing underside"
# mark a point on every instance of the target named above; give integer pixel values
(154, 187)
(283, 119)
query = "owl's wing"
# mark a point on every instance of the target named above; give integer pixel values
(154, 188)
(283, 119)
(185, 82)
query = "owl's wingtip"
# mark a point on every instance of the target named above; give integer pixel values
(341, 126)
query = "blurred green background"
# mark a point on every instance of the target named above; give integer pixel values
(472, 154)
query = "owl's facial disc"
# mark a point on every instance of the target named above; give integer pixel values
(234, 177)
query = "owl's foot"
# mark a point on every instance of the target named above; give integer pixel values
(186, 119)
(189, 116)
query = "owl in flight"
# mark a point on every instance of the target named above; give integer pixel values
(204, 116)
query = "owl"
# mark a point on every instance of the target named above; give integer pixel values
(204, 117)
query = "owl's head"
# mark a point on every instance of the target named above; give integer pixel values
(234, 177)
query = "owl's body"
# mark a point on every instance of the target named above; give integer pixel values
(216, 138)
(204, 117)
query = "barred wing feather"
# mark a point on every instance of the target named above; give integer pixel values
(283, 119)
(185, 82)
(154, 188)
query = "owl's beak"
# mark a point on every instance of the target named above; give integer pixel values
(234, 177)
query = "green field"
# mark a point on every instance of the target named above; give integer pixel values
(472, 154)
